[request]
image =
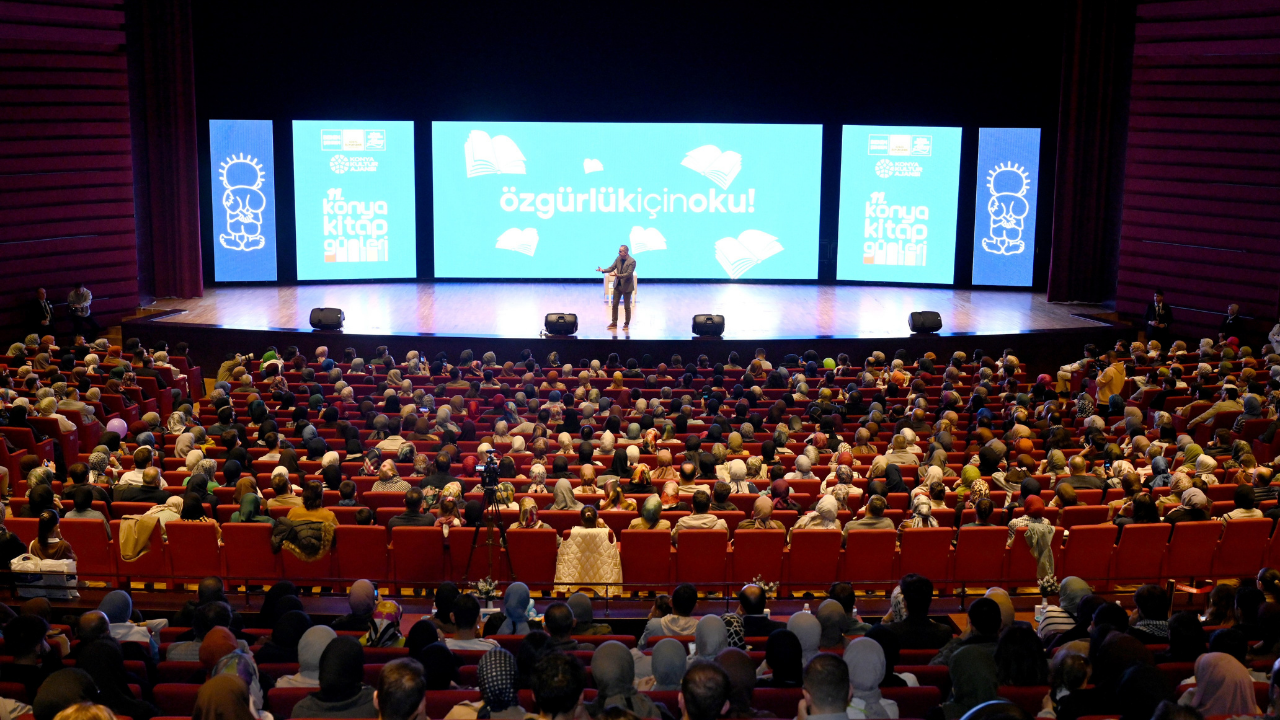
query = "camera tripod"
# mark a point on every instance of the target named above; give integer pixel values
(492, 516)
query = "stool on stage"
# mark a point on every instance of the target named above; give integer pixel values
(609, 279)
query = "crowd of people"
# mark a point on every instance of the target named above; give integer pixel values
(976, 432)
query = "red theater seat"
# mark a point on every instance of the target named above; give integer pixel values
(418, 554)
(980, 555)
(927, 552)
(813, 560)
(532, 557)
(360, 551)
(646, 558)
(1087, 553)
(1242, 548)
(757, 553)
(871, 556)
(701, 557)
(1191, 550)
(252, 561)
(193, 549)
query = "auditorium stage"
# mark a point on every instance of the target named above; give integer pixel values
(450, 316)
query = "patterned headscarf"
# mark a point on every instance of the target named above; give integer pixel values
(496, 675)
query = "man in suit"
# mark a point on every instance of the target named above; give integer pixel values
(751, 603)
(1232, 324)
(624, 283)
(1158, 318)
(42, 314)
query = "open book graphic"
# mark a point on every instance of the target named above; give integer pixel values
(750, 248)
(486, 156)
(719, 167)
(644, 239)
(522, 241)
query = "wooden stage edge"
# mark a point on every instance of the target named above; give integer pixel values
(506, 318)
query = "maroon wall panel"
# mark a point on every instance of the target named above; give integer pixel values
(66, 174)
(1202, 177)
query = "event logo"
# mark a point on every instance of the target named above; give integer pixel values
(917, 145)
(896, 235)
(341, 163)
(646, 239)
(492, 156)
(350, 139)
(718, 167)
(244, 202)
(359, 234)
(1008, 207)
(750, 248)
(521, 241)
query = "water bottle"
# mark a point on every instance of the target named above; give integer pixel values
(806, 608)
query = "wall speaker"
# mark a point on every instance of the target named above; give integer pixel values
(708, 325)
(924, 322)
(561, 323)
(327, 318)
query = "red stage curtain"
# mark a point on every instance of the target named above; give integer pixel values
(1092, 118)
(166, 164)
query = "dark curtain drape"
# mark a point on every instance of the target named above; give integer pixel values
(166, 164)
(1093, 118)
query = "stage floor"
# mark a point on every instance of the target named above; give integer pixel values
(662, 312)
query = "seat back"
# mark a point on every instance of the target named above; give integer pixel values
(979, 554)
(95, 554)
(280, 700)
(1087, 553)
(253, 559)
(1022, 564)
(418, 555)
(779, 702)
(1242, 547)
(176, 699)
(1140, 551)
(152, 566)
(913, 702)
(193, 549)
(1029, 699)
(469, 556)
(871, 556)
(27, 529)
(440, 702)
(531, 555)
(927, 552)
(814, 559)
(646, 557)
(1082, 515)
(360, 551)
(701, 556)
(758, 553)
(314, 571)
(1191, 549)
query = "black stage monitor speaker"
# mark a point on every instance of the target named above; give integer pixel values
(561, 323)
(925, 322)
(708, 325)
(327, 318)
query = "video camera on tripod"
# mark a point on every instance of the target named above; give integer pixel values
(489, 477)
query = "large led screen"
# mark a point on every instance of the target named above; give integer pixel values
(243, 187)
(898, 196)
(691, 200)
(354, 199)
(1004, 225)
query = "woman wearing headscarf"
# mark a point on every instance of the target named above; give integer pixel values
(614, 499)
(310, 649)
(761, 517)
(921, 515)
(1195, 507)
(104, 662)
(782, 653)
(496, 674)
(384, 630)
(613, 669)
(808, 631)
(669, 661)
(822, 518)
(709, 637)
(563, 497)
(671, 497)
(893, 479)
(515, 610)
(835, 624)
(1223, 687)
(974, 680)
(780, 493)
(866, 663)
(342, 693)
(528, 516)
(651, 516)
(285, 636)
(224, 697)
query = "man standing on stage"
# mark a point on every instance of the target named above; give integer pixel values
(624, 282)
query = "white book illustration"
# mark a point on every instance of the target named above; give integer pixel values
(591, 165)
(718, 167)
(750, 248)
(646, 239)
(487, 156)
(521, 241)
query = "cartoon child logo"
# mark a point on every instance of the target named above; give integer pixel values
(244, 202)
(1008, 183)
